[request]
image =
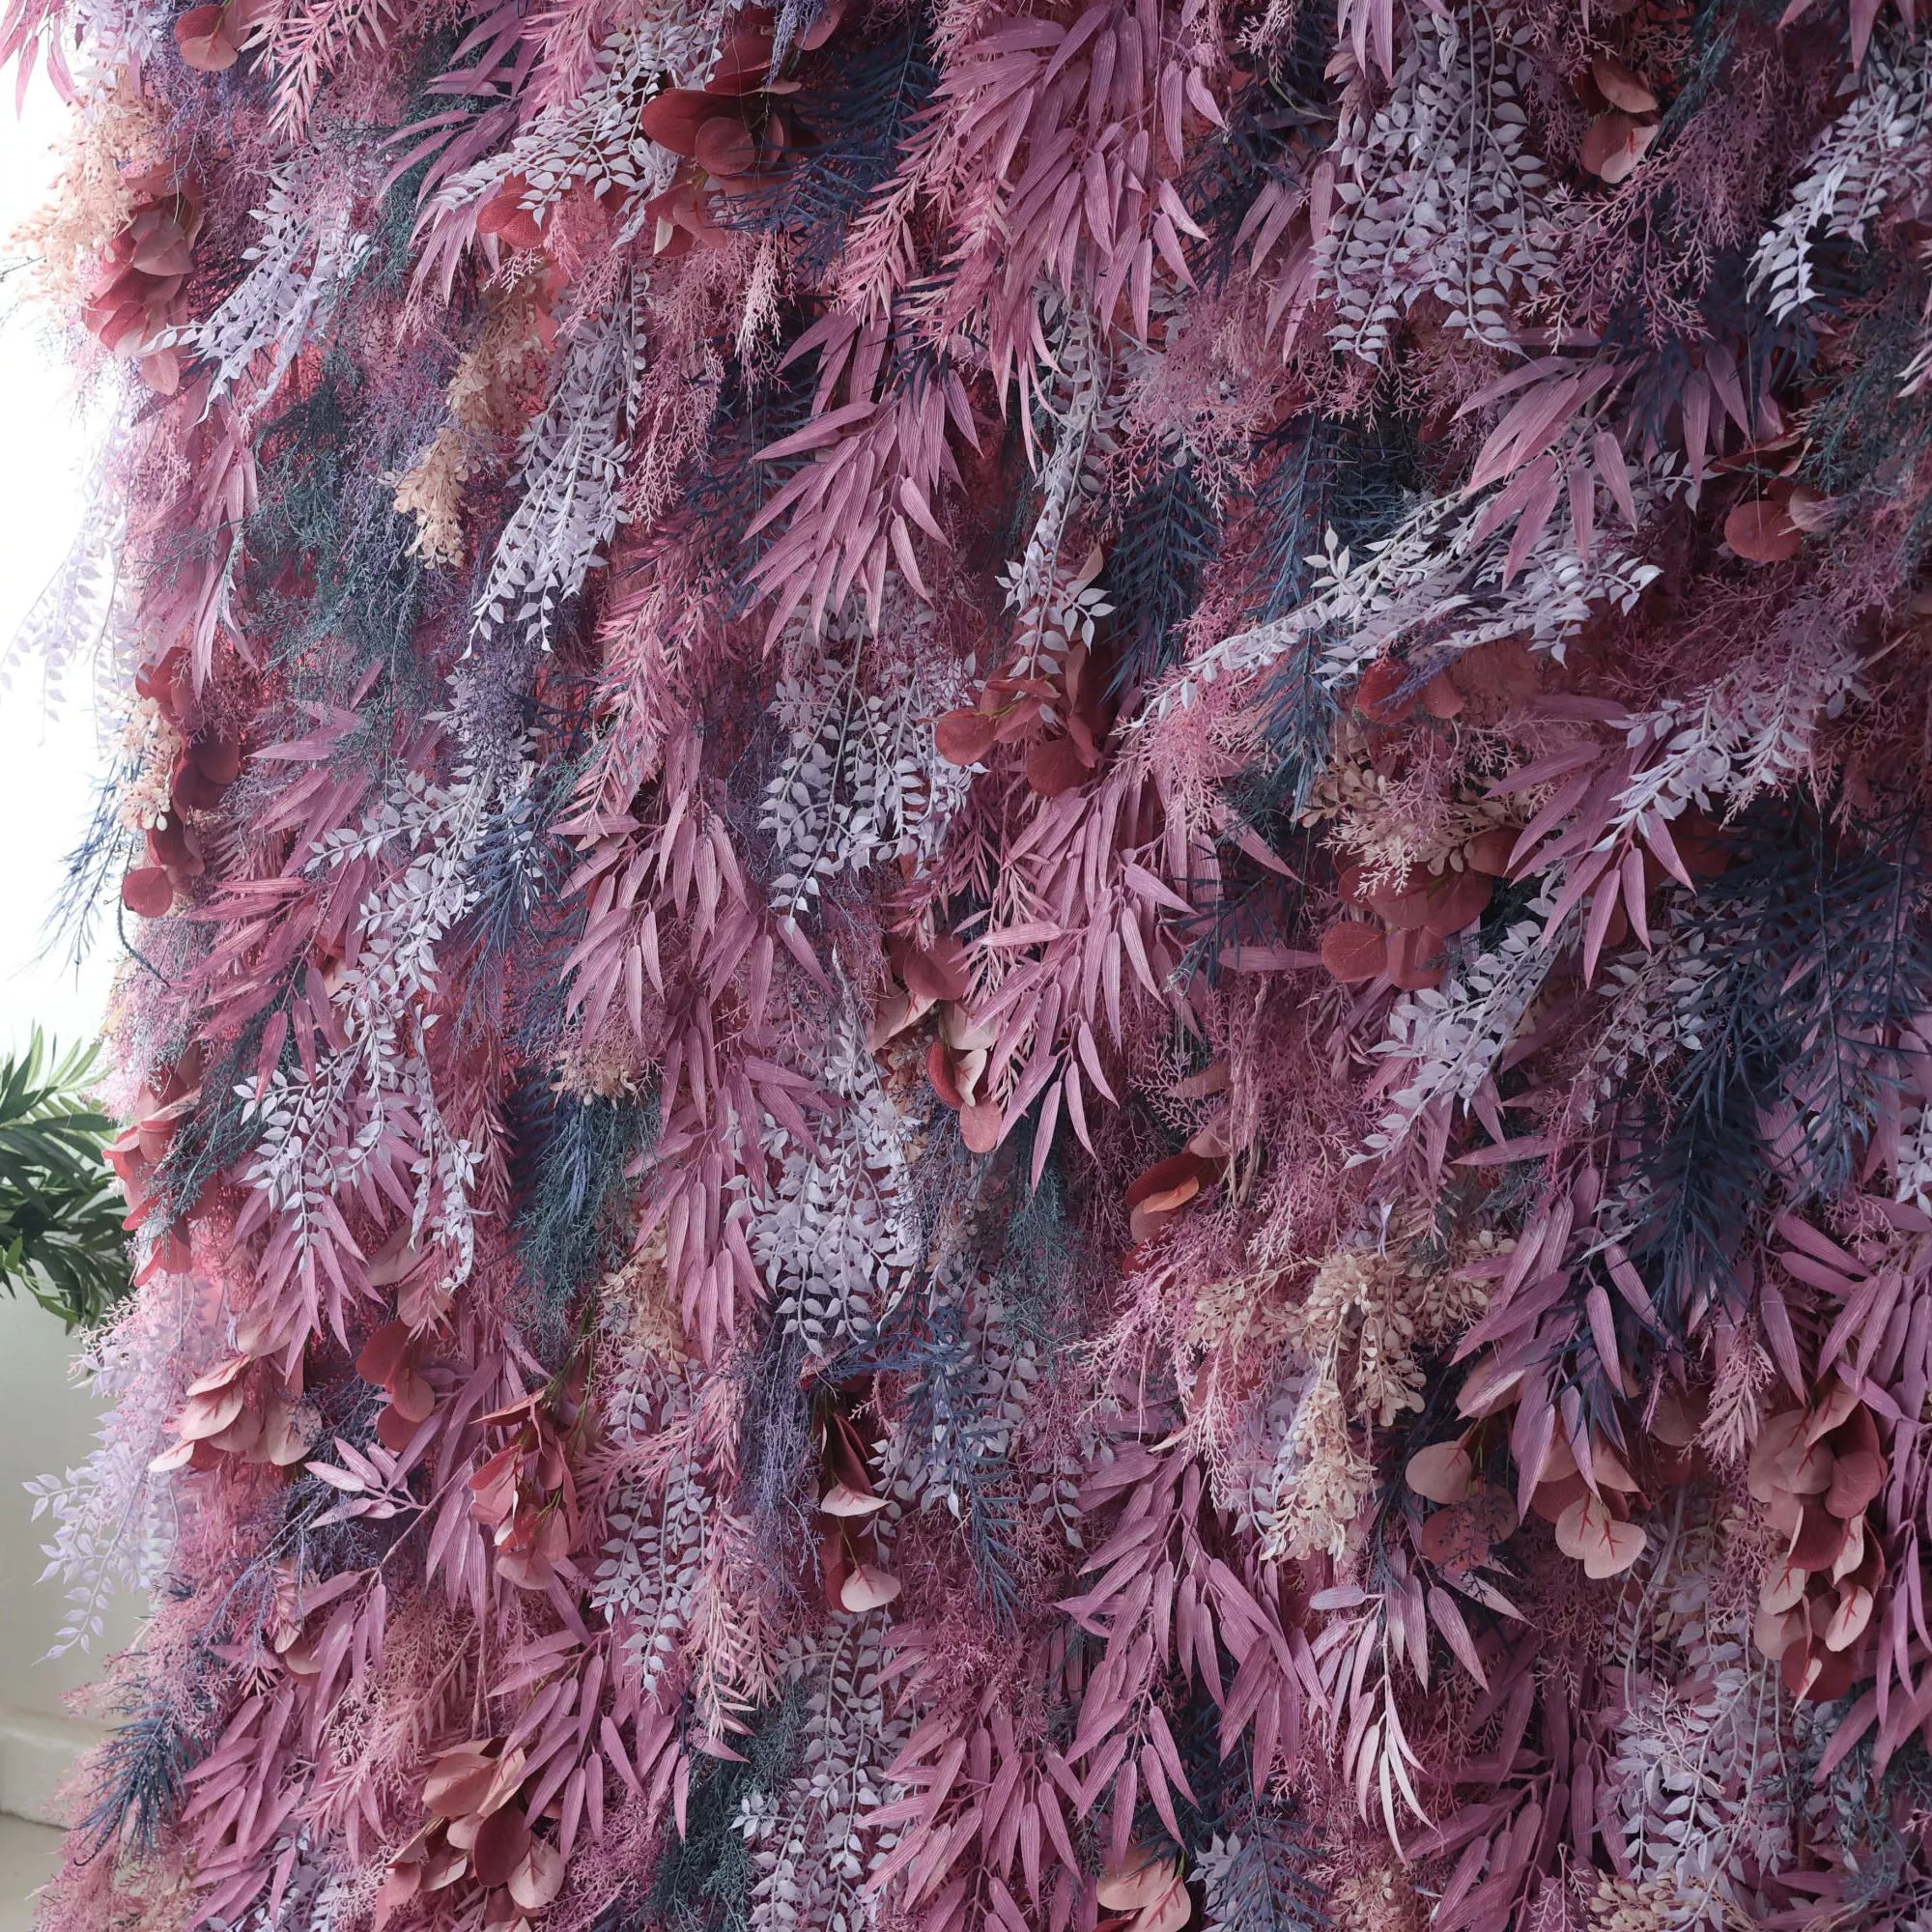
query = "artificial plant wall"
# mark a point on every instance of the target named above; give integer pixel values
(1029, 993)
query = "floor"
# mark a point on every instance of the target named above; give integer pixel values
(28, 1855)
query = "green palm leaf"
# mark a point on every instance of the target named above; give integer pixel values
(60, 1206)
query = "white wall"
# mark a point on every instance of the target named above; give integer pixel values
(45, 1425)
(48, 761)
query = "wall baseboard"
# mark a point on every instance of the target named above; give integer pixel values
(36, 1753)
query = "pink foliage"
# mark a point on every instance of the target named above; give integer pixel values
(1029, 1017)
